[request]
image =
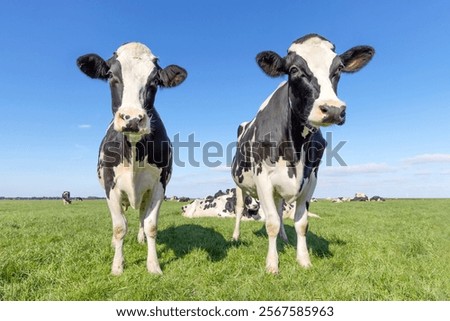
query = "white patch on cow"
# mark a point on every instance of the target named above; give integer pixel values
(319, 55)
(133, 179)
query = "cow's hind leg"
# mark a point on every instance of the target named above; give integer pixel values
(144, 204)
(238, 210)
(119, 223)
(282, 233)
(301, 227)
(151, 213)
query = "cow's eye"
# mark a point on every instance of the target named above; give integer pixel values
(294, 70)
(338, 70)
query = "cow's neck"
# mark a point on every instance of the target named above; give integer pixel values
(301, 131)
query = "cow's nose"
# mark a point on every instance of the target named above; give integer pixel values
(333, 114)
(132, 125)
(131, 122)
(324, 109)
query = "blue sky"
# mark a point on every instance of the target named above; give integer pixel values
(54, 117)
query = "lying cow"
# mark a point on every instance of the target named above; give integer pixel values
(222, 204)
(279, 151)
(135, 158)
(360, 197)
(377, 198)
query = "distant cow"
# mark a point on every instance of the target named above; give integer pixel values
(377, 199)
(66, 198)
(279, 151)
(360, 197)
(135, 157)
(222, 204)
(340, 199)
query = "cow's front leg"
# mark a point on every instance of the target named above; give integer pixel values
(268, 204)
(238, 210)
(151, 227)
(142, 213)
(119, 224)
(301, 227)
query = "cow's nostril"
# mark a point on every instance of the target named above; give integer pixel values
(324, 109)
(127, 117)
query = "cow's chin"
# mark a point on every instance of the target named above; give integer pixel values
(135, 137)
(319, 124)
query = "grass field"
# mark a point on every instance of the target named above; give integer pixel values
(397, 250)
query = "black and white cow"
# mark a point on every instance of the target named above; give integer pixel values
(66, 198)
(135, 157)
(279, 151)
(223, 205)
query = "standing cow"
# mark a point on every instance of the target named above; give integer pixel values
(279, 151)
(135, 157)
(66, 198)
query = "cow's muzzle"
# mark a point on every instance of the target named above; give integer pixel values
(131, 121)
(332, 114)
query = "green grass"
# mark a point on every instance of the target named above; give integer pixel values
(397, 250)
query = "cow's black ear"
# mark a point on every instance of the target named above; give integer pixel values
(171, 76)
(356, 58)
(93, 66)
(271, 63)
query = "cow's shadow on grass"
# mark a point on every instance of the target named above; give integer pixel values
(317, 244)
(184, 239)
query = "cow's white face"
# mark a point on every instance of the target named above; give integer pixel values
(314, 69)
(134, 75)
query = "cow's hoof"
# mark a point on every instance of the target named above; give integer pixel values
(154, 269)
(117, 270)
(306, 264)
(272, 270)
(141, 238)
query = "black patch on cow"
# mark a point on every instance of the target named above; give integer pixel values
(335, 72)
(219, 193)
(115, 80)
(230, 205)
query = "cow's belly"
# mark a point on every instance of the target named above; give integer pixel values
(133, 183)
(288, 183)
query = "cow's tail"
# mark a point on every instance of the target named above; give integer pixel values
(313, 215)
